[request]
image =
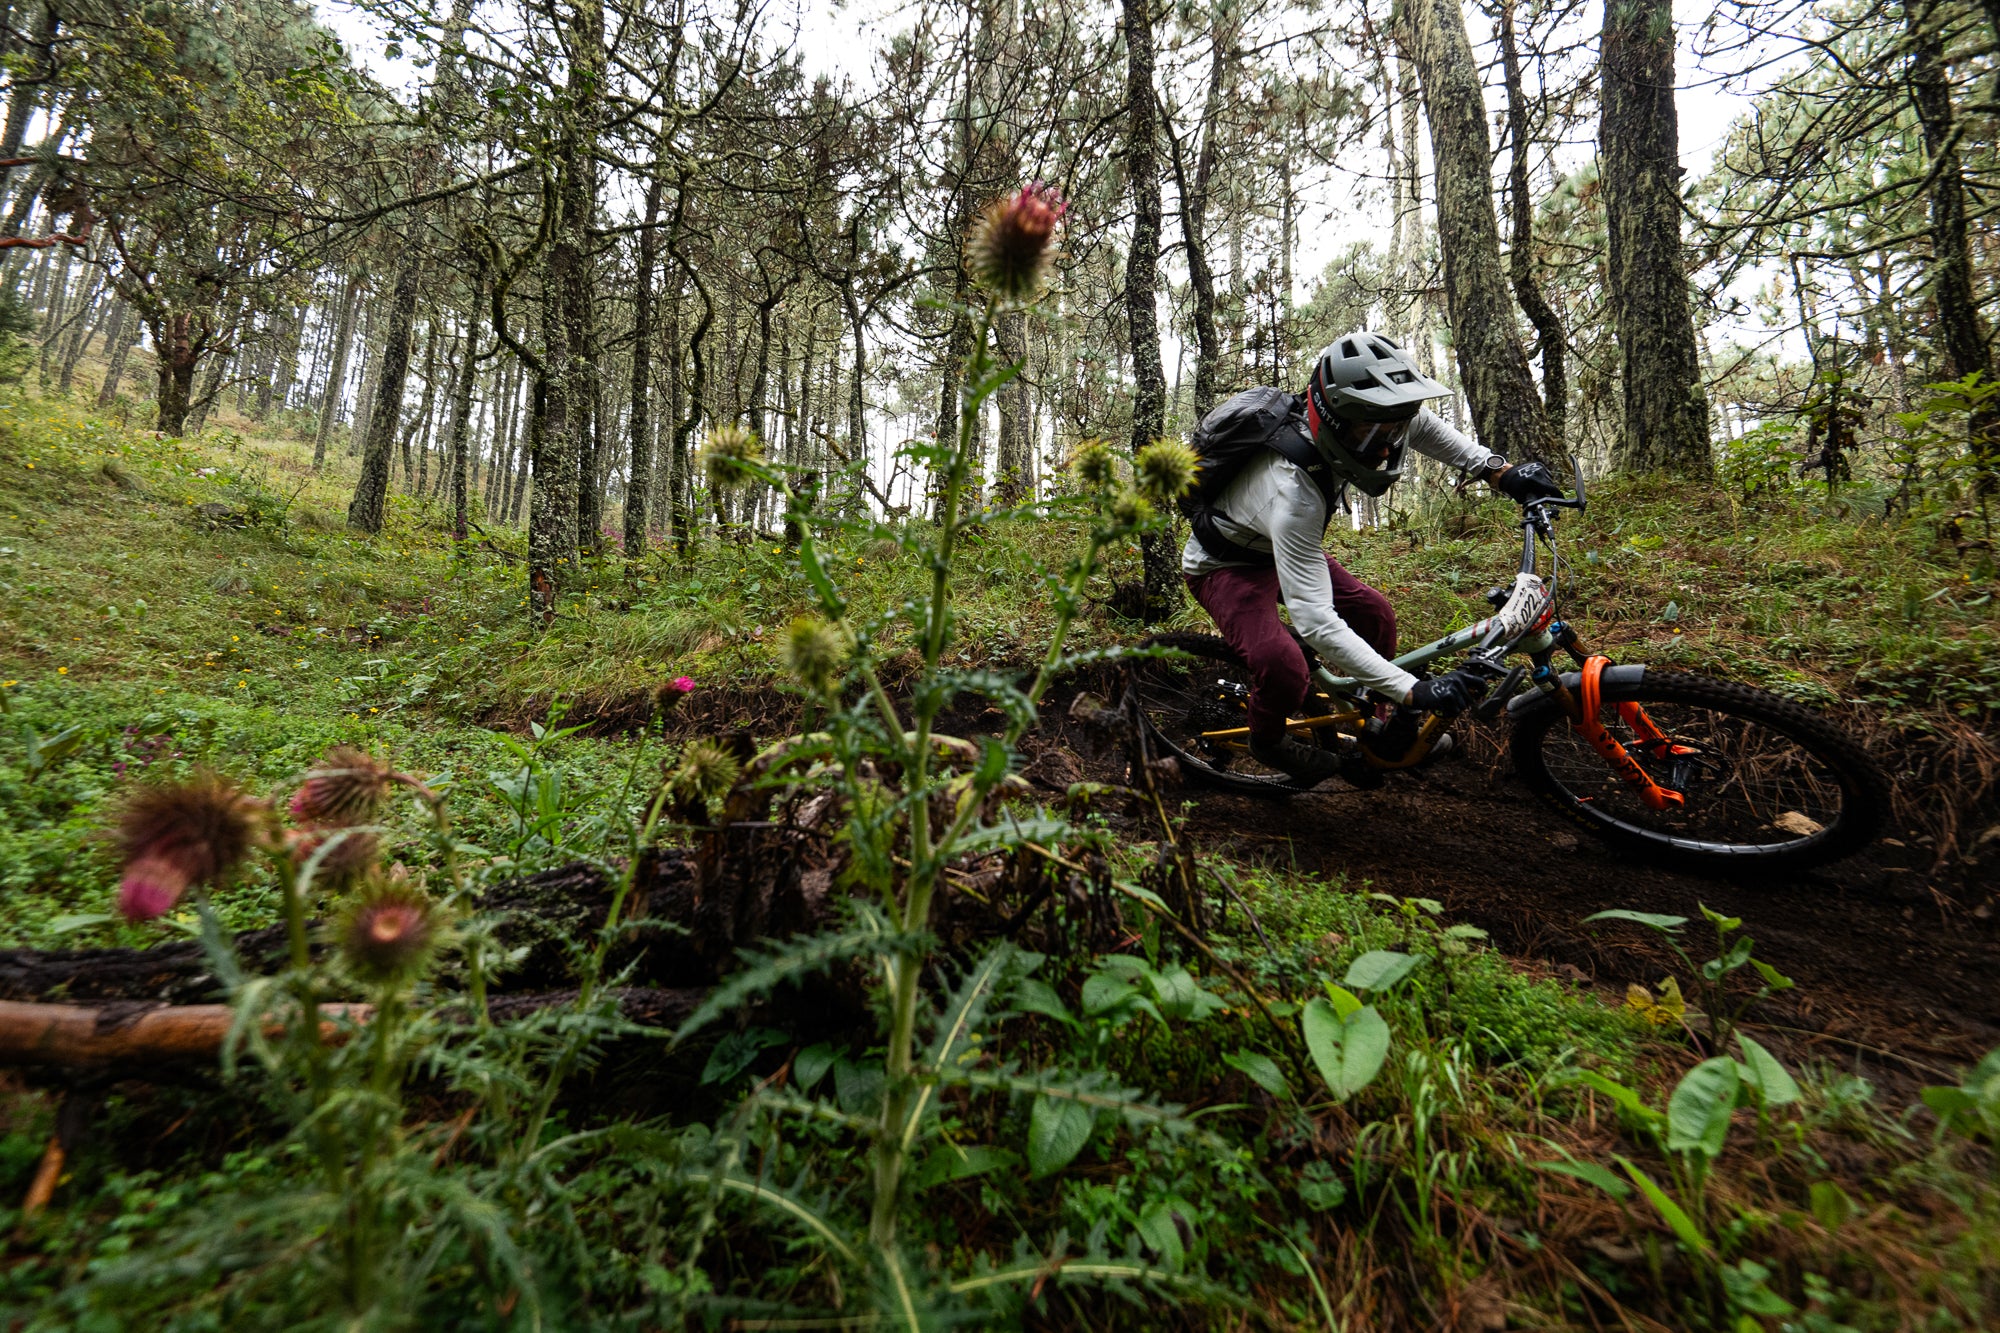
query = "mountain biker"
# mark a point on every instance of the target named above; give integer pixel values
(1258, 543)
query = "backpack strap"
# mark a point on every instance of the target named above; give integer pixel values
(1291, 443)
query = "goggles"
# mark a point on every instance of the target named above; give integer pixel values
(1372, 442)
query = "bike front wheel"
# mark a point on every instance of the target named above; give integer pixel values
(1764, 782)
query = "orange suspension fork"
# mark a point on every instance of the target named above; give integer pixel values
(1622, 763)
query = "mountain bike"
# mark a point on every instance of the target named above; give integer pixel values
(1683, 768)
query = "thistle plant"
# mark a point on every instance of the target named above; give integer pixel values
(903, 834)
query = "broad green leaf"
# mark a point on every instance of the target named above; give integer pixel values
(64, 925)
(1766, 1075)
(1261, 1070)
(1699, 1111)
(734, 1053)
(1057, 1130)
(1590, 1173)
(858, 1086)
(1349, 1051)
(1464, 931)
(1672, 1213)
(1653, 919)
(1175, 990)
(1379, 969)
(1745, 1283)
(1103, 991)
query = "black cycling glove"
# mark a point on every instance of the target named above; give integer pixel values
(1450, 694)
(1525, 482)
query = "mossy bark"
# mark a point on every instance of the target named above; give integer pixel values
(1665, 420)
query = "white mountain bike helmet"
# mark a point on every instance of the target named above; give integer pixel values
(1364, 391)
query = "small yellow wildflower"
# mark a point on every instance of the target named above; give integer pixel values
(62, 671)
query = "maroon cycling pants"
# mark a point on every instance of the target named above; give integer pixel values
(1244, 603)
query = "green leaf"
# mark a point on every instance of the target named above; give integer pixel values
(1058, 1128)
(809, 1066)
(1590, 1173)
(1700, 1109)
(1626, 1098)
(1175, 991)
(1773, 1085)
(1831, 1204)
(1773, 978)
(734, 1053)
(1654, 919)
(1672, 1213)
(64, 925)
(1261, 1070)
(1379, 969)
(1160, 1227)
(1035, 996)
(1344, 1002)
(1723, 924)
(1349, 1051)
(948, 1162)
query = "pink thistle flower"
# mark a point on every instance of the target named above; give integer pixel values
(672, 692)
(1007, 249)
(176, 835)
(150, 888)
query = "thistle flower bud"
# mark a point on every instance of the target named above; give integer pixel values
(180, 834)
(1007, 249)
(388, 931)
(1129, 509)
(706, 770)
(1165, 469)
(1096, 464)
(813, 651)
(670, 693)
(348, 852)
(730, 456)
(347, 787)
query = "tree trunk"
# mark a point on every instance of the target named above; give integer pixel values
(178, 354)
(370, 338)
(1194, 224)
(419, 431)
(1149, 390)
(336, 371)
(1506, 411)
(1014, 469)
(368, 509)
(1521, 243)
(1963, 337)
(461, 416)
(125, 333)
(1665, 420)
(639, 489)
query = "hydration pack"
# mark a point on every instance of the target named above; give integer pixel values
(1229, 438)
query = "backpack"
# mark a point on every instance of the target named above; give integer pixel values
(1232, 435)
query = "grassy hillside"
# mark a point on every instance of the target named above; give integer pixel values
(174, 605)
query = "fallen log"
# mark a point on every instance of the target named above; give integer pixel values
(136, 1036)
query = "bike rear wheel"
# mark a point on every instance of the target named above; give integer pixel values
(1765, 782)
(1177, 699)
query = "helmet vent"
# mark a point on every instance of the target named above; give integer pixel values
(1380, 350)
(1367, 381)
(1347, 349)
(1401, 377)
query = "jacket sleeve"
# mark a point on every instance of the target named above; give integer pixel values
(1434, 437)
(1296, 519)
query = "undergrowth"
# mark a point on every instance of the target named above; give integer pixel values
(1331, 1108)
